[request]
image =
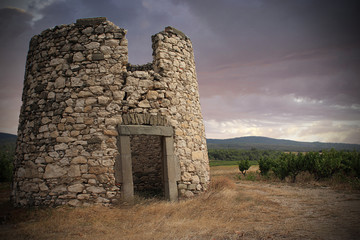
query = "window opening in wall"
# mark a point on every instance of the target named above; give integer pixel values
(147, 165)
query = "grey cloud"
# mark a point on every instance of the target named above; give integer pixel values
(14, 36)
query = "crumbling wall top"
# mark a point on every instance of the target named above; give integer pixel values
(90, 21)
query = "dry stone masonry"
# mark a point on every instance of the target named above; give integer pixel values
(93, 128)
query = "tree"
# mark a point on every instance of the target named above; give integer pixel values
(280, 167)
(244, 165)
(265, 164)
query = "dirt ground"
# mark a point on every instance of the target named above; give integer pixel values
(314, 213)
(312, 210)
(237, 209)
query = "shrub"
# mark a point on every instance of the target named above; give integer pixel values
(296, 165)
(265, 164)
(244, 165)
(6, 166)
(280, 167)
(326, 164)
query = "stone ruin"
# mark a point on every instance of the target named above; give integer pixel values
(95, 129)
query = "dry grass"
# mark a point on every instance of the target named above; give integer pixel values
(229, 210)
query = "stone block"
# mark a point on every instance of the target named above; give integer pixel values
(197, 155)
(78, 57)
(74, 171)
(76, 188)
(54, 171)
(94, 189)
(79, 160)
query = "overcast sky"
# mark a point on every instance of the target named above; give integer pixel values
(286, 69)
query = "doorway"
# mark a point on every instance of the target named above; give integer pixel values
(134, 152)
(147, 165)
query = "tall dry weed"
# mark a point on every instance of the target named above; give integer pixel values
(221, 183)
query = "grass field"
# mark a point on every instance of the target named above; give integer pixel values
(228, 163)
(230, 209)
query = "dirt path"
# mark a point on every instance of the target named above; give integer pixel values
(313, 213)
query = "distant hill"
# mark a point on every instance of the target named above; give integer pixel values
(265, 143)
(6, 138)
(261, 143)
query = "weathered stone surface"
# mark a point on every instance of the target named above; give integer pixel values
(94, 189)
(188, 194)
(92, 45)
(57, 61)
(152, 95)
(75, 203)
(197, 155)
(78, 57)
(79, 160)
(60, 82)
(74, 171)
(76, 188)
(54, 171)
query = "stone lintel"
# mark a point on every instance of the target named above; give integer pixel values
(90, 21)
(125, 130)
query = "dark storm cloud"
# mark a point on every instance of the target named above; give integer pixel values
(14, 31)
(278, 68)
(297, 59)
(255, 30)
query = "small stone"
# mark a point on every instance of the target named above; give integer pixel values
(79, 160)
(83, 196)
(119, 95)
(197, 155)
(106, 50)
(195, 179)
(76, 82)
(96, 89)
(110, 132)
(76, 188)
(57, 61)
(144, 104)
(60, 147)
(74, 171)
(92, 45)
(186, 177)
(65, 139)
(152, 95)
(188, 194)
(110, 194)
(78, 57)
(103, 100)
(117, 68)
(87, 30)
(94, 189)
(74, 203)
(98, 57)
(112, 43)
(59, 82)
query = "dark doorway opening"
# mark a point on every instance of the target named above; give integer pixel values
(170, 168)
(147, 165)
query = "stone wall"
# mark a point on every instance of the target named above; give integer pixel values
(78, 87)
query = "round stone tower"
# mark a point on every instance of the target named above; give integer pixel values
(94, 128)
